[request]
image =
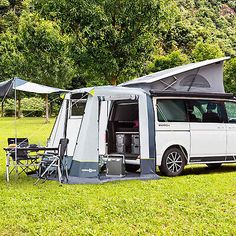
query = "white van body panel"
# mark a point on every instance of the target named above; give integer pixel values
(231, 139)
(208, 139)
(170, 134)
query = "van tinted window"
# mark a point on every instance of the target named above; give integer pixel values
(231, 111)
(206, 111)
(171, 110)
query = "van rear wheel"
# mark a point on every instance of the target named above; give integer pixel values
(173, 162)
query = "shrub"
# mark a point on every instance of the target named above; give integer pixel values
(33, 106)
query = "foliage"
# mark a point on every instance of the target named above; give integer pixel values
(37, 52)
(33, 106)
(205, 51)
(200, 202)
(175, 58)
(111, 38)
(230, 76)
(71, 44)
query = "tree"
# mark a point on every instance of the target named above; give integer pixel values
(176, 58)
(112, 38)
(205, 51)
(230, 76)
(36, 52)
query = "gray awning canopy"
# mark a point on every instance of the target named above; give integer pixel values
(205, 76)
(22, 85)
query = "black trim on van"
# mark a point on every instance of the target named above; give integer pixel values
(208, 159)
(156, 93)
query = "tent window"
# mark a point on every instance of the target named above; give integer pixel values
(77, 107)
(171, 110)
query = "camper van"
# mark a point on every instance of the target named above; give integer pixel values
(167, 119)
(190, 128)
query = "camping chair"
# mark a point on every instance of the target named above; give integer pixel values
(19, 158)
(54, 163)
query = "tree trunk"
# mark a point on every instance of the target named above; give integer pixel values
(114, 80)
(47, 109)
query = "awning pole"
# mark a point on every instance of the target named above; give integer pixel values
(15, 123)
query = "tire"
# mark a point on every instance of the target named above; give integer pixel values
(131, 168)
(213, 166)
(173, 162)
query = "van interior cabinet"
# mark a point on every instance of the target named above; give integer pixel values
(128, 143)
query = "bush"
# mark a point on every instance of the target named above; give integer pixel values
(33, 106)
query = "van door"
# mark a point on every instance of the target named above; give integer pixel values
(231, 130)
(207, 130)
(172, 126)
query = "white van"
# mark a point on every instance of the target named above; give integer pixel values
(190, 128)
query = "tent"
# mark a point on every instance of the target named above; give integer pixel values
(86, 131)
(205, 76)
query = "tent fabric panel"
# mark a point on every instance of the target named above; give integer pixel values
(5, 88)
(147, 135)
(211, 74)
(19, 82)
(59, 126)
(172, 72)
(87, 143)
(35, 88)
(84, 169)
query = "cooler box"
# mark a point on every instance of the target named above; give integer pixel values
(115, 166)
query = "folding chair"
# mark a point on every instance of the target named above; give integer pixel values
(20, 158)
(54, 163)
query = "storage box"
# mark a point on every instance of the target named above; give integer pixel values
(120, 148)
(115, 166)
(135, 149)
(135, 139)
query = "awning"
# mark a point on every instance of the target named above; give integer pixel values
(22, 85)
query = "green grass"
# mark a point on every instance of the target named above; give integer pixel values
(200, 202)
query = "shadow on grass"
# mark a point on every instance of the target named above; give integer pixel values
(204, 170)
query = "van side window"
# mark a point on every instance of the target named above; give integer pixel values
(231, 111)
(171, 110)
(204, 111)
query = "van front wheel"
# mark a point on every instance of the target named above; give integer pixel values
(173, 162)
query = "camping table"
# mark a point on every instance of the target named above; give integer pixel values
(30, 149)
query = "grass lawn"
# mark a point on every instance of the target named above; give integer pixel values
(200, 202)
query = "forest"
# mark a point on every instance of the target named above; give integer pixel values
(77, 43)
